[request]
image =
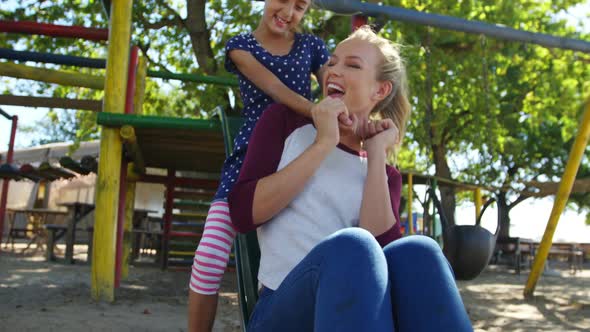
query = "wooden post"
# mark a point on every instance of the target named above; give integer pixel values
(109, 167)
(563, 193)
(128, 226)
(51, 76)
(5, 182)
(121, 215)
(477, 202)
(411, 229)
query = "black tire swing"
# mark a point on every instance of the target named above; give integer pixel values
(468, 248)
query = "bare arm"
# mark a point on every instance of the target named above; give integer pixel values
(269, 83)
(376, 211)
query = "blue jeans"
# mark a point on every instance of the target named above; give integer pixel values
(349, 283)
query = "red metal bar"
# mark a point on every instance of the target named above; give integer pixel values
(5, 182)
(357, 21)
(131, 77)
(35, 28)
(168, 216)
(131, 73)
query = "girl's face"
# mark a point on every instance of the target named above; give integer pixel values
(351, 75)
(282, 16)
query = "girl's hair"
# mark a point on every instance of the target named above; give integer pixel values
(396, 105)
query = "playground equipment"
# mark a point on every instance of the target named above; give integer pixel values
(5, 182)
(468, 248)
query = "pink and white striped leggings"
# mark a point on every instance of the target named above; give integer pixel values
(212, 254)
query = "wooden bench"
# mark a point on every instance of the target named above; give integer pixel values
(571, 252)
(54, 233)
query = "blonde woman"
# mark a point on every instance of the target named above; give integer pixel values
(325, 206)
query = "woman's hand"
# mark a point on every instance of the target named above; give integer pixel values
(379, 136)
(326, 116)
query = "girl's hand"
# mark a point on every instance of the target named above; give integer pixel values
(379, 136)
(325, 116)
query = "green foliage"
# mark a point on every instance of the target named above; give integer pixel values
(504, 112)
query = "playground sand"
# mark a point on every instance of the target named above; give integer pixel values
(39, 296)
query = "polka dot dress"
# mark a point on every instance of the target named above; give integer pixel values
(307, 55)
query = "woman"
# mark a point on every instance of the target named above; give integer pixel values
(324, 202)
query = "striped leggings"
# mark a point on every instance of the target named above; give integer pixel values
(212, 254)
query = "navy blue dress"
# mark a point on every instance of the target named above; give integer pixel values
(307, 55)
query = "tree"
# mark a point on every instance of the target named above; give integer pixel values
(489, 111)
(485, 111)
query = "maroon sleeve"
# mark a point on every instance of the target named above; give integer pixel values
(262, 159)
(394, 181)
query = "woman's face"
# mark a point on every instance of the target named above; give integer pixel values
(351, 75)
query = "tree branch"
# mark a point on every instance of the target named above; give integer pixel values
(200, 36)
(517, 201)
(169, 22)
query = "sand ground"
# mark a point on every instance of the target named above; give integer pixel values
(41, 296)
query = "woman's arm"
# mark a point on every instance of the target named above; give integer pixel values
(377, 208)
(269, 83)
(262, 191)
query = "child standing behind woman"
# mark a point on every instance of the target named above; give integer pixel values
(274, 64)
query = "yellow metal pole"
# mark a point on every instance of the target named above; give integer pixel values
(410, 199)
(477, 201)
(565, 187)
(140, 86)
(51, 76)
(128, 226)
(109, 166)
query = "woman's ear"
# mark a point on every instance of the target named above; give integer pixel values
(383, 90)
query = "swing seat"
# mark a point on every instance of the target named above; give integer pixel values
(468, 248)
(246, 248)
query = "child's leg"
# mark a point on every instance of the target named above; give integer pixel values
(209, 264)
(424, 295)
(213, 252)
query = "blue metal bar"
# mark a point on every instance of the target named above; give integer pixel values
(57, 59)
(452, 23)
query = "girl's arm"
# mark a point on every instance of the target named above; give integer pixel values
(269, 83)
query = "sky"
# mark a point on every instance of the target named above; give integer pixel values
(528, 218)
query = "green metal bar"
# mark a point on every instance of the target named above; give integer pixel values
(160, 122)
(563, 193)
(227, 81)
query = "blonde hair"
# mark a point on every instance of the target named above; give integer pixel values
(396, 105)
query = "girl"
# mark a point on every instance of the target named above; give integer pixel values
(273, 63)
(323, 209)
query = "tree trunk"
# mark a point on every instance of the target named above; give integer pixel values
(442, 169)
(438, 148)
(200, 36)
(503, 215)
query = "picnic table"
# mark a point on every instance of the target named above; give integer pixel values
(77, 211)
(36, 219)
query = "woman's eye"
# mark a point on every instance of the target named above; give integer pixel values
(354, 65)
(330, 64)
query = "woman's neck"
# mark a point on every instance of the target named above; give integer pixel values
(351, 140)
